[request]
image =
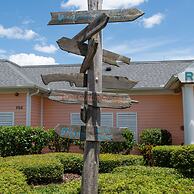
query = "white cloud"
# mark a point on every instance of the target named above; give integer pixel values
(140, 46)
(107, 4)
(31, 59)
(153, 20)
(45, 48)
(27, 21)
(17, 33)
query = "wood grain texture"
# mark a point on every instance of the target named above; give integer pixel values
(102, 134)
(94, 27)
(78, 48)
(104, 100)
(88, 60)
(85, 17)
(109, 82)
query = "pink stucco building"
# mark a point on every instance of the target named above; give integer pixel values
(163, 100)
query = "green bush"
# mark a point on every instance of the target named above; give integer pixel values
(182, 158)
(73, 163)
(57, 143)
(12, 181)
(20, 140)
(119, 147)
(155, 136)
(162, 155)
(131, 179)
(72, 187)
(110, 161)
(37, 168)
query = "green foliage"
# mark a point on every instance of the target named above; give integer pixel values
(12, 181)
(72, 187)
(131, 179)
(37, 168)
(155, 136)
(73, 163)
(146, 151)
(57, 143)
(119, 147)
(183, 159)
(20, 140)
(162, 155)
(110, 161)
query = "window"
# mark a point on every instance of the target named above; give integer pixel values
(6, 118)
(128, 120)
(107, 119)
(75, 119)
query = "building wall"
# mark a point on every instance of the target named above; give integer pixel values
(164, 111)
(9, 102)
(36, 111)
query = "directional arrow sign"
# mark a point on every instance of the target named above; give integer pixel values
(85, 17)
(94, 27)
(78, 48)
(103, 100)
(100, 133)
(108, 82)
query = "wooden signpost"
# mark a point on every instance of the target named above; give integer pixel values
(85, 17)
(79, 48)
(109, 82)
(80, 133)
(90, 76)
(103, 100)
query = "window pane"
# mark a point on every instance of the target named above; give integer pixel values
(6, 118)
(107, 119)
(75, 119)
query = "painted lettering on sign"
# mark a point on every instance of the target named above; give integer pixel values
(189, 76)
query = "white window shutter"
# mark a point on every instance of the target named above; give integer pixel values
(6, 118)
(128, 120)
(107, 119)
(75, 119)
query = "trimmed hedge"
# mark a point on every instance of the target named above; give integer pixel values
(161, 155)
(179, 157)
(73, 163)
(155, 136)
(21, 140)
(131, 179)
(12, 181)
(37, 168)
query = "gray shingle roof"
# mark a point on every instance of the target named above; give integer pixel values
(149, 74)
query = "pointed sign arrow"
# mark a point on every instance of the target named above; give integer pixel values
(85, 17)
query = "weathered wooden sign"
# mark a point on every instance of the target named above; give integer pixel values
(109, 82)
(94, 27)
(78, 48)
(102, 100)
(84, 17)
(98, 134)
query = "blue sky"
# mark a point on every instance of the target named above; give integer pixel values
(165, 32)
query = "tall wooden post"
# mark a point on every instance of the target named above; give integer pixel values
(92, 149)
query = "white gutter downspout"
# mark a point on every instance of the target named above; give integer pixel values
(28, 106)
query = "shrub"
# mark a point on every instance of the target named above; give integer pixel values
(155, 136)
(57, 143)
(72, 187)
(162, 155)
(182, 158)
(73, 163)
(37, 168)
(12, 181)
(119, 147)
(20, 140)
(131, 179)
